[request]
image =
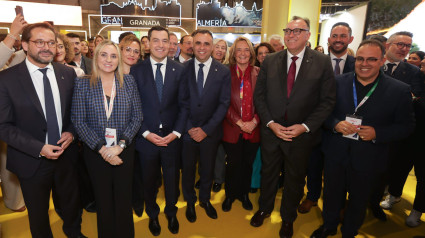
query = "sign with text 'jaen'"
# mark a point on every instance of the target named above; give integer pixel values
(143, 22)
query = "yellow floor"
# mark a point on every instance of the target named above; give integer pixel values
(233, 224)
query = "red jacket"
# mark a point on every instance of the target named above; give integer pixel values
(231, 131)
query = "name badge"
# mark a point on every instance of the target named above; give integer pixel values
(356, 121)
(111, 137)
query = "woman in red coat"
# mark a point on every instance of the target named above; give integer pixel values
(241, 137)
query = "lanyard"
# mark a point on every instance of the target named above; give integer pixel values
(365, 97)
(108, 110)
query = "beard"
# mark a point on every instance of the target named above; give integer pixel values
(338, 51)
(37, 58)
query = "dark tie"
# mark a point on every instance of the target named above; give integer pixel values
(337, 70)
(200, 82)
(291, 75)
(53, 133)
(389, 70)
(159, 80)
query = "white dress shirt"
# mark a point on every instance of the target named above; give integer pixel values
(297, 62)
(37, 80)
(341, 63)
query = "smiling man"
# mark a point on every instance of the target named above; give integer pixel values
(80, 60)
(35, 123)
(209, 89)
(295, 93)
(359, 131)
(164, 96)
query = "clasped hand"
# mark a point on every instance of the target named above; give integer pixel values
(110, 154)
(287, 133)
(366, 133)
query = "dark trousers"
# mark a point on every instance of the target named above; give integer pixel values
(338, 180)
(206, 151)
(112, 190)
(314, 174)
(86, 187)
(220, 165)
(152, 159)
(240, 157)
(61, 174)
(295, 157)
(138, 197)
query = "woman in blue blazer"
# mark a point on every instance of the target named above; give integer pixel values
(106, 112)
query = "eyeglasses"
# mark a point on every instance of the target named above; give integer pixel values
(370, 60)
(42, 43)
(401, 45)
(129, 50)
(296, 31)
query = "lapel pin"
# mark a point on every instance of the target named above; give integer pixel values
(215, 70)
(63, 77)
(308, 61)
(174, 69)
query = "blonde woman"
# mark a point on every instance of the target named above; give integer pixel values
(220, 52)
(106, 112)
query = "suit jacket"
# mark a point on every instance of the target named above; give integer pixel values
(23, 125)
(311, 100)
(172, 111)
(388, 110)
(349, 64)
(87, 65)
(410, 75)
(208, 110)
(89, 116)
(231, 131)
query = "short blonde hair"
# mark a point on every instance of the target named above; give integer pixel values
(95, 71)
(226, 57)
(232, 59)
(127, 40)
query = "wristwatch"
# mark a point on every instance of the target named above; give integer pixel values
(122, 144)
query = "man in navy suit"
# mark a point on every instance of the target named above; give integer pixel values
(403, 152)
(35, 105)
(209, 89)
(372, 110)
(340, 38)
(163, 93)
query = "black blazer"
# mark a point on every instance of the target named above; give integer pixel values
(22, 122)
(312, 97)
(172, 111)
(410, 75)
(349, 64)
(388, 110)
(209, 109)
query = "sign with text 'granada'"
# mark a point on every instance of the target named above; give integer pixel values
(142, 22)
(211, 14)
(169, 10)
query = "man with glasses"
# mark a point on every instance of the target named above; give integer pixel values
(404, 153)
(35, 122)
(295, 93)
(80, 60)
(174, 45)
(186, 49)
(372, 110)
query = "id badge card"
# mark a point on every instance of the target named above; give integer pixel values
(356, 121)
(110, 137)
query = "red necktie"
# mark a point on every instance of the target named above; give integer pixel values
(291, 75)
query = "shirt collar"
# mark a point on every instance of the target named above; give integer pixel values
(299, 55)
(34, 68)
(344, 57)
(206, 63)
(396, 63)
(163, 62)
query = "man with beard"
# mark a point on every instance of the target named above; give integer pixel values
(186, 48)
(174, 45)
(80, 60)
(403, 153)
(35, 105)
(340, 38)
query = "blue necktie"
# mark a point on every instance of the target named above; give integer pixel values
(337, 70)
(53, 133)
(159, 80)
(200, 82)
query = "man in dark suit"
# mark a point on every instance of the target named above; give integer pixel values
(80, 60)
(403, 153)
(209, 89)
(164, 96)
(295, 93)
(35, 123)
(186, 49)
(356, 145)
(340, 38)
